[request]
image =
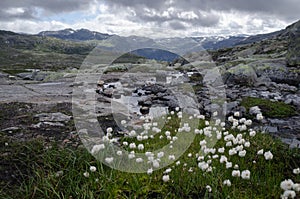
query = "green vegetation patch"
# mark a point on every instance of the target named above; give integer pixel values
(269, 108)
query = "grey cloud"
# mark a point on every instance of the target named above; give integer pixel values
(176, 25)
(46, 6)
(26, 14)
(287, 9)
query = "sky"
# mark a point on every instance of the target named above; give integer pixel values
(150, 18)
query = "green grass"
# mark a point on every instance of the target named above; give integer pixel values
(269, 108)
(36, 167)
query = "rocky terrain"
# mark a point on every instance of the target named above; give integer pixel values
(36, 97)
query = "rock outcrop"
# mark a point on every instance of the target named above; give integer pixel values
(293, 54)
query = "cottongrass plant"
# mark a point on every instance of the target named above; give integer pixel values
(225, 160)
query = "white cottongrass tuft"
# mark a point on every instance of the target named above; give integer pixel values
(227, 182)
(288, 194)
(97, 148)
(296, 187)
(252, 133)
(208, 187)
(131, 155)
(223, 159)
(93, 168)
(259, 116)
(236, 173)
(221, 150)
(268, 155)
(247, 144)
(203, 165)
(166, 178)
(155, 164)
(132, 145)
(260, 152)
(160, 154)
(242, 153)
(86, 174)
(236, 114)
(171, 157)
(140, 147)
(109, 160)
(296, 171)
(228, 165)
(168, 170)
(150, 171)
(123, 122)
(109, 130)
(287, 184)
(246, 174)
(139, 160)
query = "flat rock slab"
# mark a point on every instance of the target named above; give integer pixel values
(53, 117)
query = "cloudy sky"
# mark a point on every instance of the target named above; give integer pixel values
(151, 18)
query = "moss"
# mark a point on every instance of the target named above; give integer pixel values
(269, 108)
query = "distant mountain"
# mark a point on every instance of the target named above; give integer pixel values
(217, 42)
(176, 45)
(76, 35)
(68, 48)
(157, 54)
(259, 37)
(126, 44)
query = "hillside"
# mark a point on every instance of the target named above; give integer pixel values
(275, 57)
(19, 51)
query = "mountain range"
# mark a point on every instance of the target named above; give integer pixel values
(68, 48)
(176, 44)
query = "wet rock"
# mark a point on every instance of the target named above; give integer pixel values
(26, 76)
(100, 83)
(12, 77)
(108, 92)
(53, 117)
(155, 88)
(145, 110)
(44, 124)
(145, 101)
